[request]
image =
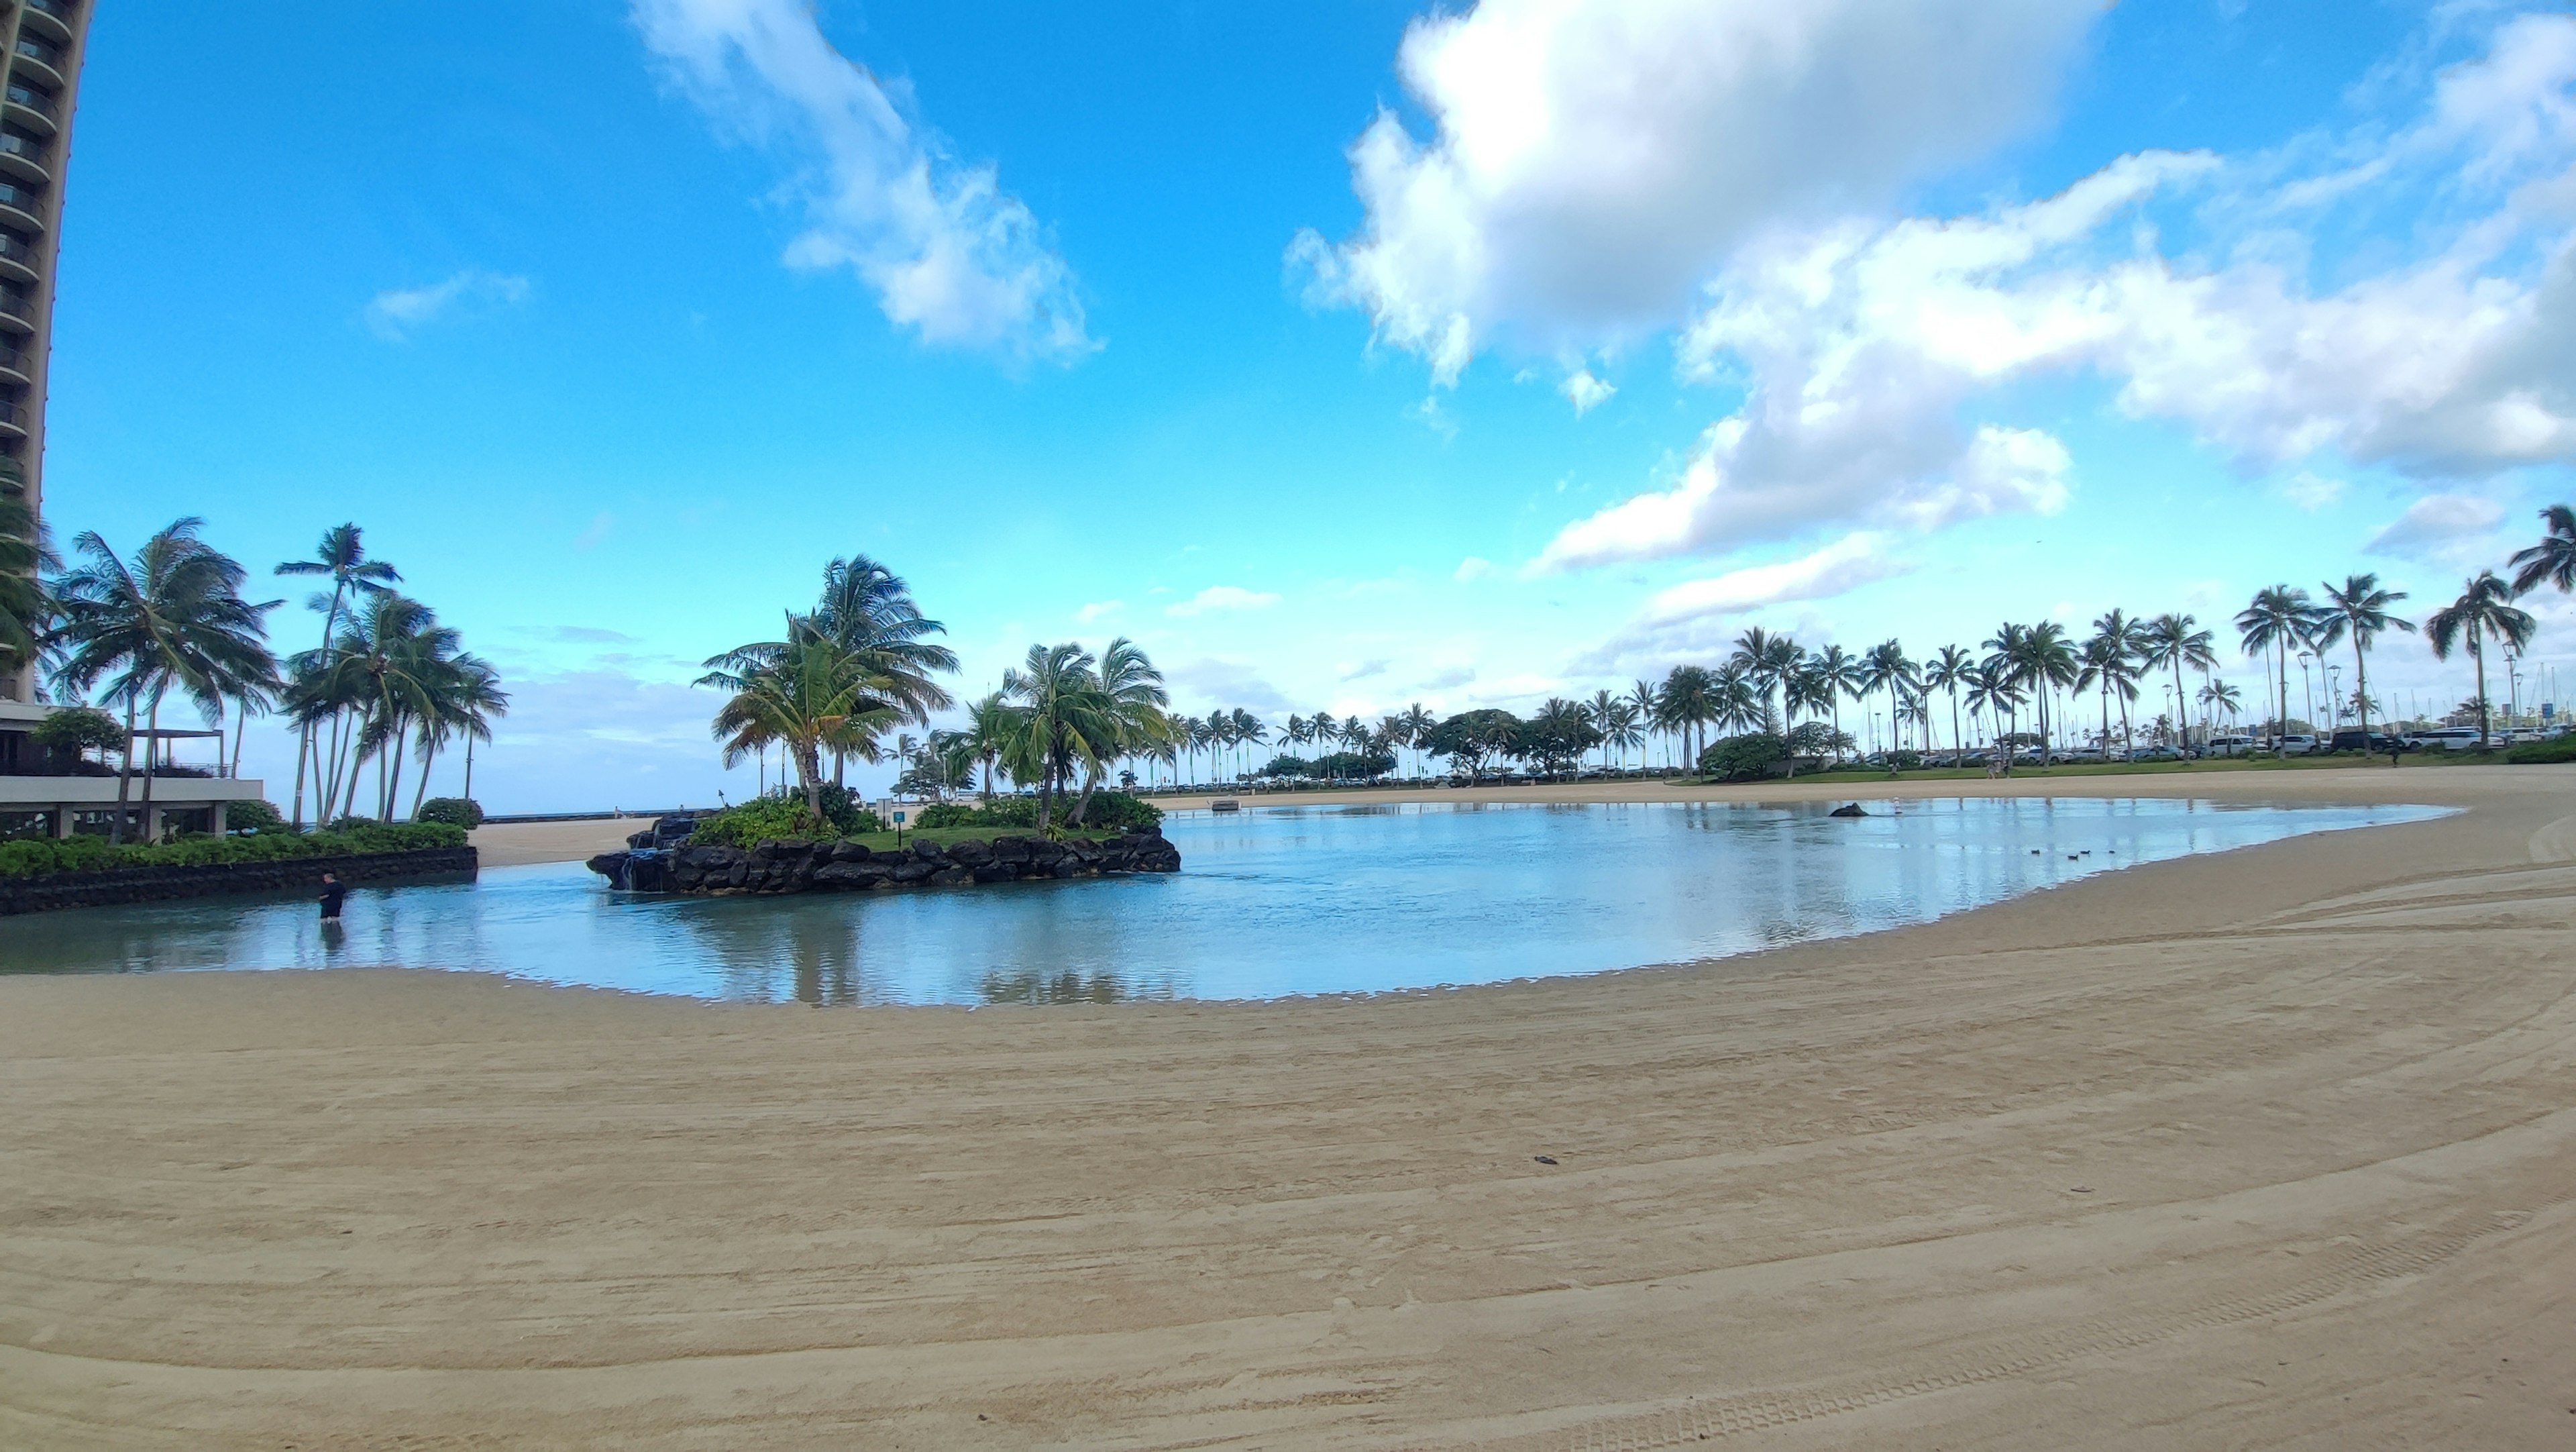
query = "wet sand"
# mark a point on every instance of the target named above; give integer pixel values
(2275, 1148)
(522, 844)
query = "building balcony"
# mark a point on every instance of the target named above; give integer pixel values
(51, 19)
(19, 310)
(17, 365)
(13, 421)
(23, 157)
(17, 258)
(29, 109)
(38, 62)
(21, 207)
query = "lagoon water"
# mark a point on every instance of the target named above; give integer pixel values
(1271, 902)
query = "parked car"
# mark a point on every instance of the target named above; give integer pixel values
(2297, 744)
(2229, 745)
(2448, 738)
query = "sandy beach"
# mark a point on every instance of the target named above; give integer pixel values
(2273, 1148)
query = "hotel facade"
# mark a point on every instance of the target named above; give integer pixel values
(43, 41)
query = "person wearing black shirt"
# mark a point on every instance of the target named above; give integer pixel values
(332, 895)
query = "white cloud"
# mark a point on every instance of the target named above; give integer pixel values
(947, 252)
(1865, 348)
(1838, 568)
(2311, 491)
(1097, 609)
(1594, 160)
(2439, 528)
(1222, 597)
(396, 312)
(1584, 391)
(1472, 569)
(1362, 670)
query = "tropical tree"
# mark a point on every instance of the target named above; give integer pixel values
(2359, 610)
(868, 612)
(1417, 723)
(2280, 619)
(811, 696)
(1996, 693)
(172, 617)
(1883, 667)
(1136, 701)
(2037, 658)
(342, 556)
(2219, 698)
(1834, 673)
(1688, 700)
(1948, 670)
(2106, 664)
(2485, 611)
(2172, 640)
(1065, 718)
(1766, 660)
(2554, 558)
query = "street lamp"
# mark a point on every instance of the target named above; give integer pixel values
(2307, 688)
(2334, 703)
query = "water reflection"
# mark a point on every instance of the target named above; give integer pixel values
(1273, 901)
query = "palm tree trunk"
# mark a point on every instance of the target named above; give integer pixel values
(124, 778)
(2477, 651)
(152, 742)
(2361, 693)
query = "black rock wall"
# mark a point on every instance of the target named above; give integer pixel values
(792, 866)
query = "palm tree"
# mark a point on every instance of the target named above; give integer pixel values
(342, 555)
(2485, 609)
(2360, 610)
(2107, 664)
(2037, 657)
(1994, 691)
(1136, 701)
(479, 698)
(1766, 661)
(1948, 671)
(1689, 702)
(2170, 640)
(2219, 698)
(810, 697)
(1833, 674)
(1418, 724)
(2279, 620)
(1064, 719)
(868, 612)
(1885, 668)
(2554, 558)
(389, 666)
(173, 616)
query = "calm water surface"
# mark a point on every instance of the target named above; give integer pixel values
(1270, 903)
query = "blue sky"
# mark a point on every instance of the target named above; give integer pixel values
(1258, 333)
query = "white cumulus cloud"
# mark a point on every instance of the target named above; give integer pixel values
(1594, 160)
(1222, 597)
(2436, 527)
(948, 254)
(396, 312)
(1584, 391)
(1845, 565)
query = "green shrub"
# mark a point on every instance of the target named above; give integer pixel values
(940, 815)
(1118, 809)
(454, 811)
(2536, 753)
(78, 729)
(784, 816)
(1743, 758)
(92, 854)
(254, 815)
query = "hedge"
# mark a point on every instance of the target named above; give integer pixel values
(40, 857)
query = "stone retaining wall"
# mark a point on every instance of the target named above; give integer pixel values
(155, 884)
(791, 866)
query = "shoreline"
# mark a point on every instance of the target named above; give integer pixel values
(2264, 1148)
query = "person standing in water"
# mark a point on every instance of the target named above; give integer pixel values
(333, 894)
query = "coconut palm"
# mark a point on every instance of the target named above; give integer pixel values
(1948, 670)
(2359, 610)
(2279, 620)
(2171, 640)
(2484, 612)
(1136, 699)
(812, 696)
(2219, 698)
(2038, 658)
(2553, 559)
(1689, 704)
(1834, 673)
(1883, 667)
(1418, 723)
(478, 699)
(1995, 693)
(2106, 664)
(172, 617)
(1766, 660)
(1063, 721)
(342, 556)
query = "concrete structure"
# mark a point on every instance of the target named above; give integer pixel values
(42, 41)
(35, 802)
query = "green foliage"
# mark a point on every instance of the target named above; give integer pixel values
(2539, 753)
(1471, 738)
(1743, 758)
(1353, 765)
(252, 816)
(79, 729)
(1118, 809)
(92, 854)
(1284, 767)
(1902, 760)
(455, 811)
(783, 816)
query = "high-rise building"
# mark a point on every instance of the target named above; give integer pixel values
(42, 40)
